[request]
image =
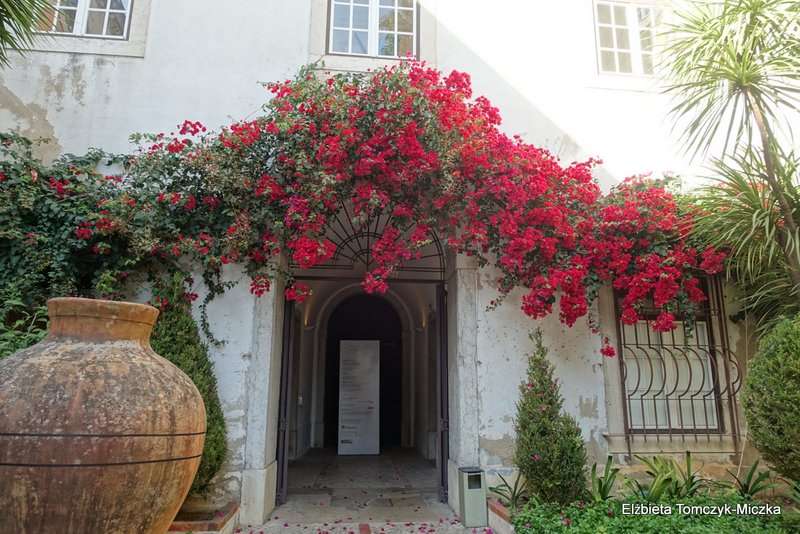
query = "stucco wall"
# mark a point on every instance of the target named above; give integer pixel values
(231, 317)
(503, 345)
(201, 62)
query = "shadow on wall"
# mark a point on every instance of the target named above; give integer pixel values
(539, 129)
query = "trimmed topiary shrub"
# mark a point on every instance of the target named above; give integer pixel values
(176, 338)
(771, 398)
(550, 452)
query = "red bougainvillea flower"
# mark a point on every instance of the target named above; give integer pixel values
(259, 285)
(297, 292)
(411, 145)
(664, 323)
(84, 231)
(607, 350)
(192, 128)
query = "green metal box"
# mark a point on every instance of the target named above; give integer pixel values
(472, 497)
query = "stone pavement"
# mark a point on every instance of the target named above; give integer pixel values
(363, 528)
(392, 493)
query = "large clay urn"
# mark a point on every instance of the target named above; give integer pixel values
(98, 433)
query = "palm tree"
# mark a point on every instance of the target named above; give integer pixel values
(19, 20)
(734, 71)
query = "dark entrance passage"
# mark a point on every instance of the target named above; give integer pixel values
(364, 317)
(413, 379)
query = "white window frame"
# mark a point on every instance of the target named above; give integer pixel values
(82, 16)
(634, 37)
(373, 28)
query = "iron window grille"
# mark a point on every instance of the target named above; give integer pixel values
(682, 384)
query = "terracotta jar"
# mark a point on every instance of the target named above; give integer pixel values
(98, 433)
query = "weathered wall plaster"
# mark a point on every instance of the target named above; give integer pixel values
(503, 345)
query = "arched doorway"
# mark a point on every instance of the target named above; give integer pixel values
(410, 322)
(366, 317)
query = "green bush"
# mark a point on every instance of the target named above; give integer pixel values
(771, 398)
(607, 517)
(19, 327)
(550, 452)
(176, 338)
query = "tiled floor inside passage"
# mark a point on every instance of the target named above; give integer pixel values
(394, 492)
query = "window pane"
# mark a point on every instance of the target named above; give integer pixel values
(119, 4)
(361, 2)
(603, 13)
(405, 45)
(340, 40)
(387, 19)
(341, 16)
(45, 22)
(620, 18)
(606, 37)
(67, 3)
(607, 63)
(359, 43)
(116, 24)
(99, 4)
(386, 44)
(647, 63)
(646, 37)
(94, 24)
(624, 62)
(405, 20)
(645, 16)
(406, 3)
(387, 2)
(361, 18)
(66, 21)
(623, 41)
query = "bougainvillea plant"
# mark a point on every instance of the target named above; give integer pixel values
(413, 143)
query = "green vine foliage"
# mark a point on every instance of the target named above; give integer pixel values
(19, 327)
(550, 451)
(64, 232)
(41, 206)
(176, 338)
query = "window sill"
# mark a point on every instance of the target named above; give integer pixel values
(350, 63)
(675, 444)
(90, 45)
(626, 82)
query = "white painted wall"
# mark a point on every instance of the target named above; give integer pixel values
(202, 62)
(503, 346)
(535, 60)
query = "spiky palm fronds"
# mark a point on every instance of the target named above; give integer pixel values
(727, 61)
(19, 20)
(739, 213)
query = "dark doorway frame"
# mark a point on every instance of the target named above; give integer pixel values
(443, 409)
(282, 453)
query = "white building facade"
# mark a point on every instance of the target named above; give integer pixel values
(574, 76)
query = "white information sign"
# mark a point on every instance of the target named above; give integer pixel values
(359, 397)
